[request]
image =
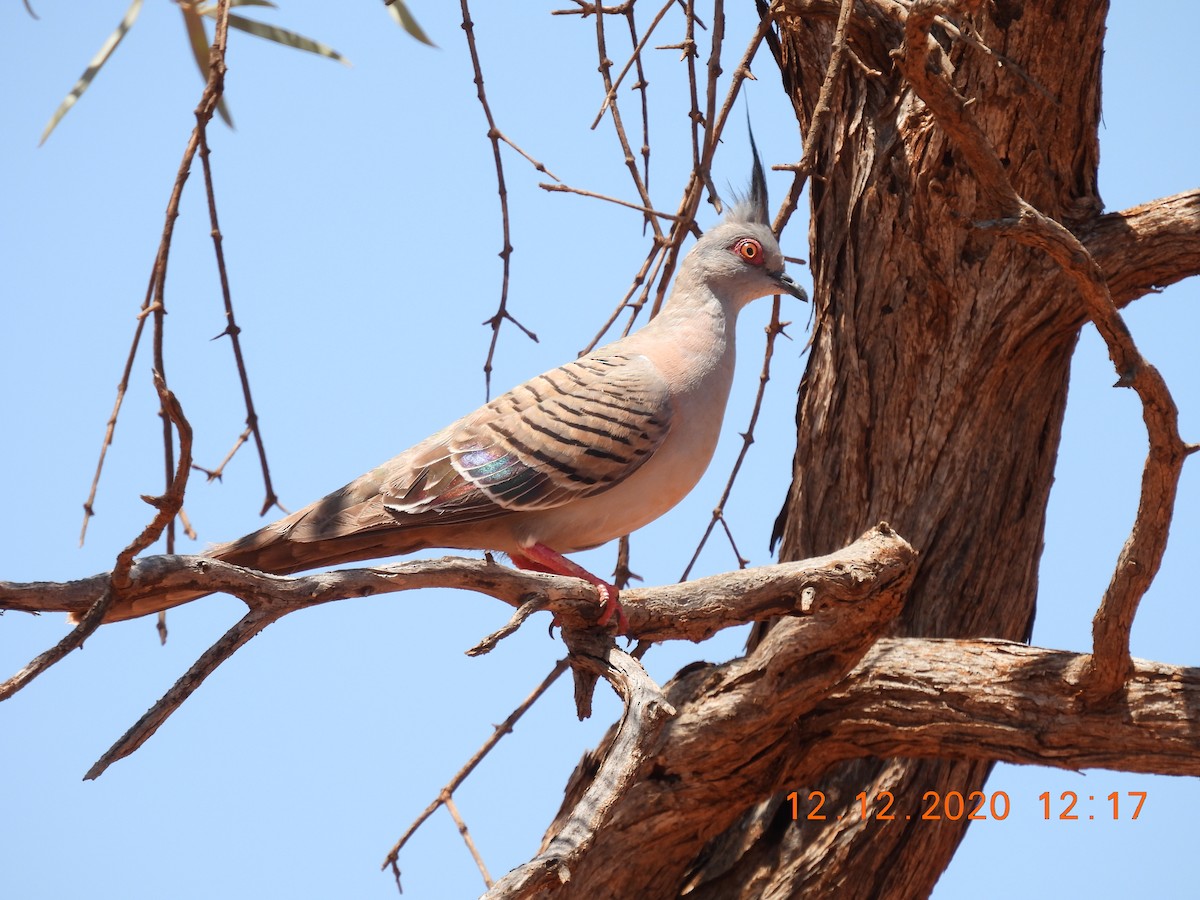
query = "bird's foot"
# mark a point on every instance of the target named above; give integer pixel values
(540, 558)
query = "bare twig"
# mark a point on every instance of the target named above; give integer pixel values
(502, 314)
(505, 727)
(688, 47)
(710, 89)
(665, 253)
(619, 125)
(774, 329)
(821, 110)
(231, 327)
(154, 304)
(452, 808)
(622, 574)
(567, 189)
(590, 9)
(166, 506)
(219, 472)
(635, 58)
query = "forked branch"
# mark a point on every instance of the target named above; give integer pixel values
(1142, 554)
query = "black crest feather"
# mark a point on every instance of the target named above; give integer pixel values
(753, 206)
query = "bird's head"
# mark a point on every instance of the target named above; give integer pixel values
(740, 259)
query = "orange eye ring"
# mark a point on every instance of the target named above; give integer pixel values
(751, 251)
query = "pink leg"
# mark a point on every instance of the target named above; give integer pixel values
(540, 558)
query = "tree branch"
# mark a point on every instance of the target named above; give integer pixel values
(692, 611)
(1147, 247)
(998, 700)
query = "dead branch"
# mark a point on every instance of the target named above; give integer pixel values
(690, 611)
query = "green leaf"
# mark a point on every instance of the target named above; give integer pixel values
(85, 80)
(398, 11)
(200, 52)
(278, 35)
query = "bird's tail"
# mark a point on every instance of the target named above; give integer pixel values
(277, 549)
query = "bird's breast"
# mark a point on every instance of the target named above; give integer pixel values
(698, 409)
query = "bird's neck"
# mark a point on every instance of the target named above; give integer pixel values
(694, 331)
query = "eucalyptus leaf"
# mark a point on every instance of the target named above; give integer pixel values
(399, 11)
(279, 35)
(85, 80)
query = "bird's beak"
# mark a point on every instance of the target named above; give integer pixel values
(784, 280)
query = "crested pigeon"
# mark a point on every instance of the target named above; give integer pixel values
(567, 461)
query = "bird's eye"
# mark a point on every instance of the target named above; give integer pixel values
(750, 251)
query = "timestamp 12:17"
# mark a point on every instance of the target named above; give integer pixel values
(1069, 799)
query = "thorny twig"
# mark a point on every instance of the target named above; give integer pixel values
(502, 314)
(233, 331)
(619, 126)
(640, 86)
(774, 328)
(664, 255)
(219, 472)
(635, 58)
(154, 305)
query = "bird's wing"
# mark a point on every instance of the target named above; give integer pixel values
(570, 433)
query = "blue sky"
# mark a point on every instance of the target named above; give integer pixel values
(362, 230)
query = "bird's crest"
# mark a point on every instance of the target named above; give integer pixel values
(752, 207)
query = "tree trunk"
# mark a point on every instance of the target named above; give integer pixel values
(935, 390)
(933, 400)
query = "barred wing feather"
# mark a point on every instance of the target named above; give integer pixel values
(570, 433)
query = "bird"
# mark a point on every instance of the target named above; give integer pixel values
(569, 460)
